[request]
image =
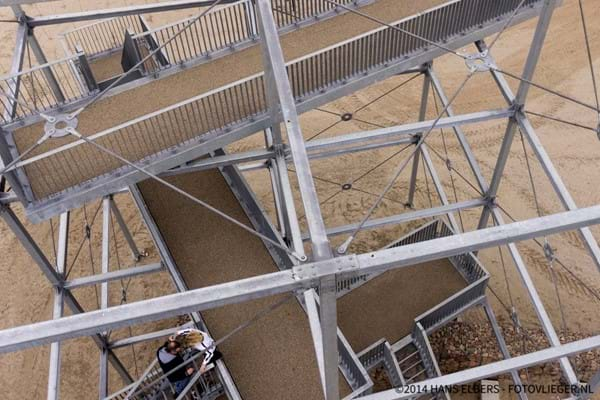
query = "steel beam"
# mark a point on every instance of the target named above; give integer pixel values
(458, 132)
(113, 12)
(417, 156)
(135, 253)
(297, 278)
(30, 245)
(438, 186)
(106, 225)
(15, 68)
(38, 52)
(489, 312)
(557, 183)
(277, 79)
(113, 275)
(405, 217)
(536, 301)
(315, 329)
(519, 100)
(488, 370)
(148, 336)
(222, 161)
(61, 262)
(402, 131)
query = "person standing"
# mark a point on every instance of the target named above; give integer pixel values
(198, 340)
(169, 357)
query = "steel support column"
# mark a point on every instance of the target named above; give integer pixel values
(557, 183)
(519, 100)
(16, 67)
(106, 225)
(275, 73)
(61, 262)
(438, 186)
(489, 312)
(38, 52)
(417, 156)
(125, 230)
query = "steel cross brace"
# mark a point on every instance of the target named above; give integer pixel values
(514, 252)
(57, 281)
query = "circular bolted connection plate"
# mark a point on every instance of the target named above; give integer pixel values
(479, 62)
(58, 125)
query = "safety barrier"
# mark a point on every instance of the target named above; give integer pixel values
(238, 105)
(381, 353)
(193, 38)
(423, 346)
(351, 367)
(100, 38)
(226, 27)
(153, 384)
(43, 87)
(426, 232)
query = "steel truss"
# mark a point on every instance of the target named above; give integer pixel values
(323, 271)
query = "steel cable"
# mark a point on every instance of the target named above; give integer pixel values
(185, 194)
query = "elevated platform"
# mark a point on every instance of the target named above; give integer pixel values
(328, 60)
(273, 358)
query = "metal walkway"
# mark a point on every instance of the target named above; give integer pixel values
(386, 306)
(273, 358)
(231, 104)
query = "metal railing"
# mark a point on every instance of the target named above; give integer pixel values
(139, 139)
(244, 100)
(428, 360)
(154, 384)
(100, 38)
(391, 365)
(352, 368)
(226, 27)
(372, 355)
(44, 87)
(381, 353)
(447, 310)
(378, 48)
(426, 232)
(222, 28)
(290, 12)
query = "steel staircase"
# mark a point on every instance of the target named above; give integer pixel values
(221, 116)
(154, 385)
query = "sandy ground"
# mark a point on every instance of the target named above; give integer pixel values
(27, 296)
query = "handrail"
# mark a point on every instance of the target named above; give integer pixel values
(236, 104)
(101, 37)
(44, 87)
